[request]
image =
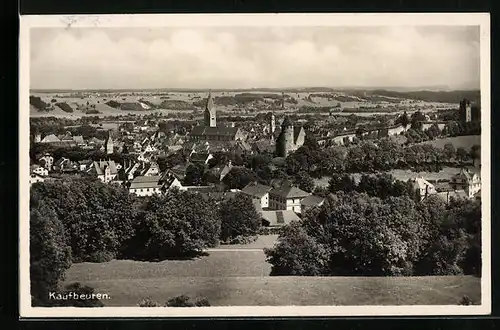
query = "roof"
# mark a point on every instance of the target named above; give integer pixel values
(78, 139)
(421, 183)
(51, 138)
(145, 182)
(101, 165)
(256, 189)
(468, 173)
(456, 194)
(286, 190)
(199, 157)
(279, 218)
(312, 200)
(286, 122)
(210, 102)
(214, 131)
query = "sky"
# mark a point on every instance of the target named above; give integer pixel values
(253, 57)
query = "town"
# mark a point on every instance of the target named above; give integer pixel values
(149, 155)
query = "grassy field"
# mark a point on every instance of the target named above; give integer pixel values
(458, 141)
(240, 277)
(269, 291)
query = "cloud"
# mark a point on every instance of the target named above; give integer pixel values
(255, 57)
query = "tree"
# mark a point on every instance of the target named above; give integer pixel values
(239, 177)
(304, 181)
(351, 234)
(475, 153)
(238, 217)
(462, 154)
(50, 255)
(297, 253)
(449, 151)
(341, 183)
(417, 120)
(179, 224)
(194, 174)
(403, 120)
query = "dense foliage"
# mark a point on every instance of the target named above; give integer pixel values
(355, 234)
(175, 225)
(238, 217)
(50, 255)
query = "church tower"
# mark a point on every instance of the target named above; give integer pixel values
(108, 145)
(285, 142)
(273, 123)
(209, 115)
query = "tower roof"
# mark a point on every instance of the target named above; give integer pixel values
(210, 102)
(286, 122)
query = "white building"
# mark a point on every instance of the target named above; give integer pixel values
(422, 187)
(145, 185)
(469, 180)
(287, 197)
(259, 192)
(34, 178)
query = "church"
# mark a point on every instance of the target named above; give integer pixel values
(210, 131)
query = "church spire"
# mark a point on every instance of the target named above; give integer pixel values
(210, 116)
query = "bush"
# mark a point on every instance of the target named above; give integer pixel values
(64, 107)
(148, 302)
(466, 301)
(243, 239)
(185, 301)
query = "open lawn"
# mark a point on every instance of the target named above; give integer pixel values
(466, 141)
(269, 291)
(240, 277)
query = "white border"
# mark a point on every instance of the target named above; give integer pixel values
(190, 20)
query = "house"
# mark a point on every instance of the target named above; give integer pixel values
(258, 192)
(47, 161)
(78, 139)
(105, 170)
(85, 165)
(150, 169)
(63, 164)
(447, 196)
(422, 187)
(34, 178)
(310, 202)
(131, 170)
(145, 185)
(200, 158)
(278, 218)
(51, 138)
(286, 197)
(179, 171)
(40, 170)
(469, 180)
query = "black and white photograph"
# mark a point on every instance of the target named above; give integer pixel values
(254, 165)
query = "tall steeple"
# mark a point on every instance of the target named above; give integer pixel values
(109, 146)
(210, 115)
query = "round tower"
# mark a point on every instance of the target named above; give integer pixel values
(285, 142)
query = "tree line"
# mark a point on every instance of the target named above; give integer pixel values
(87, 221)
(357, 234)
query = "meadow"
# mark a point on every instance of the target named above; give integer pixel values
(128, 282)
(466, 141)
(239, 276)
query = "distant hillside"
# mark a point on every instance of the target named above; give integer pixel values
(432, 96)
